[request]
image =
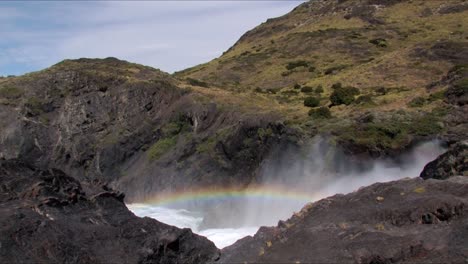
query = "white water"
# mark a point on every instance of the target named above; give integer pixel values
(230, 220)
(181, 218)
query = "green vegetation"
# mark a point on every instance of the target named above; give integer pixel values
(311, 101)
(335, 69)
(264, 133)
(297, 86)
(417, 102)
(364, 100)
(10, 92)
(436, 96)
(295, 64)
(460, 88)
(307, 89)
(161, 147)
(319, 89)
(343, 95)
(34, 105)
(379, 42)
(179, 124)
(320, 113)
(390, 134)
(196, 82)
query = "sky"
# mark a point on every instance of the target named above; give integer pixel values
(169, 35)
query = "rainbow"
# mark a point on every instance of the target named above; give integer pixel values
(214, 194)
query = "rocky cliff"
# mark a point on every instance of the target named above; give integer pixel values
(133, 126)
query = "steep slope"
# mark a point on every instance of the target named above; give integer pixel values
(47, 216)
(134, 126)
(403, 58)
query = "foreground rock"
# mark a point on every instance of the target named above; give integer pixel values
(412, 220)
(47, 216)
(452, 163)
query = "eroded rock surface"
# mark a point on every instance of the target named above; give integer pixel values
(47, 216)
(406, 221)
(452, 163)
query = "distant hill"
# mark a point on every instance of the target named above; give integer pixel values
(403, 57)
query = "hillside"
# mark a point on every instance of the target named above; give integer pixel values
(403, 57)
(328, 91)
(134, 127)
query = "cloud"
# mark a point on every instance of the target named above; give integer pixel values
(171, 35)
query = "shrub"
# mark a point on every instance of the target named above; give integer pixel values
(460, 88)
(436, 96)
(35, 106)
(196, 82)
(311, 69)
(379, 42)
(335, 69)
(295, 64)
(297, 86)
(286, 73)
(344, 95)
(381, 91)
(364, 99)
(161, 147)
(311, 102)
(319, 89)
(336, 85)
(417, 102)
(290, 92)
(307, 89)
(10, 92)
(320, 113)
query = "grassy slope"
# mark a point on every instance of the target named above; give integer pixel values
(328, 36)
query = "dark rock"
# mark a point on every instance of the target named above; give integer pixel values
(454, 162)
(47, 216)
(406, 221)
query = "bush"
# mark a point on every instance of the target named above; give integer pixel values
(307, 89)
(319, 89)
(311, 69)
(295, 64)
(417, 102)
(161, 147)
(436, 96)
(258, 90)
(196, 82)
(335, 69)
(10, 92)
(320, 113)
(297, 86)
(311, 102)
(344, 95)
(336, 86)
(381, 91)
(379, 42)
(364, 99)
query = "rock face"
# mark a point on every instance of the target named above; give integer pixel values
(47, 216)
(132, 126)
(454, 162)
(405, 221)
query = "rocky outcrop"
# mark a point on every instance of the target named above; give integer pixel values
(454, 162)
(47, 216)
(132, 126)
(406, 221)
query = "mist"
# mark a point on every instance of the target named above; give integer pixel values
(314, 172)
